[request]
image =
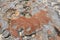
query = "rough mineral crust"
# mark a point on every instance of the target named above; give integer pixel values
(29, 19)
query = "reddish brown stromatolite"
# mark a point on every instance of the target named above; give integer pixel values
(34, 22)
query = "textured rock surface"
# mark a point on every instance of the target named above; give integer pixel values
(30, 9)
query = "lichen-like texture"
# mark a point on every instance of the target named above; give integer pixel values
(29, 20)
